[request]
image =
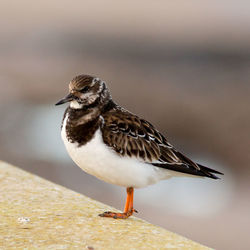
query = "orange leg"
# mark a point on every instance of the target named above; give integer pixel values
(128, 209)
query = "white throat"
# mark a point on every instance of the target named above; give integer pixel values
(75, 105)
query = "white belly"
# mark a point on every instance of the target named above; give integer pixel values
(99, 160)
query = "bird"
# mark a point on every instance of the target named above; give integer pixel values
(114, 145)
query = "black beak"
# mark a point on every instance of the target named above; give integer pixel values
(67, 98)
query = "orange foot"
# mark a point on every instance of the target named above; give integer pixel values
(124, 215)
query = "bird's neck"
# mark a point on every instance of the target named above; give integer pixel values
(81, 124)
(77, 117)
(88, 113)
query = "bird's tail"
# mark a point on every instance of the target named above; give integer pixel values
(209, 172)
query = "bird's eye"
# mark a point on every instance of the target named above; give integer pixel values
(85, 89)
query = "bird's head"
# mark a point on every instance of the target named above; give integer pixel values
(86, 91)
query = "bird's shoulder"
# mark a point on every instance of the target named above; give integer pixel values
(130, 135)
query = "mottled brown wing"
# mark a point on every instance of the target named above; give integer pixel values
(129, 135)
(132, 136)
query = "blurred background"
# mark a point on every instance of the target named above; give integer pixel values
(184, 66)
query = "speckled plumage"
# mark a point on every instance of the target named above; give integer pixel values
(117, 146)
(125, 133)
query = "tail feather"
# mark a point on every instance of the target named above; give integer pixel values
(209, 169)
(188, 166)
(203, 171)
(190, 169)
(208, 174)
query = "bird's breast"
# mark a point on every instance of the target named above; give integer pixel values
(97, 159)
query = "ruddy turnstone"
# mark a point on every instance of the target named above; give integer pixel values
(117, 146)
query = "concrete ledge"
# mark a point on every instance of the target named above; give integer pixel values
(38, 214)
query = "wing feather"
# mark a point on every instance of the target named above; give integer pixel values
(132, 136)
